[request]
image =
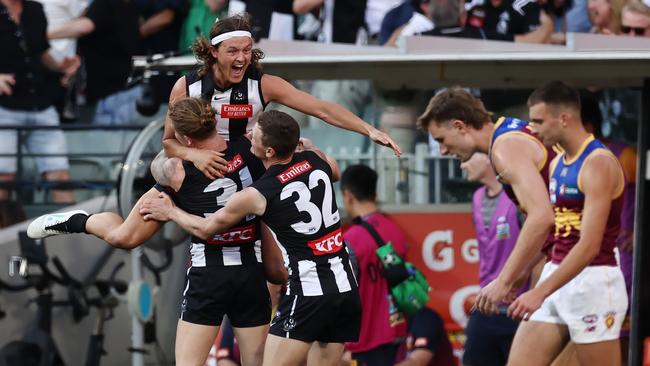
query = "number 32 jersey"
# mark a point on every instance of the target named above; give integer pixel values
(301, 211)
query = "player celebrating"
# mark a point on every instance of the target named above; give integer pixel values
(295, 199)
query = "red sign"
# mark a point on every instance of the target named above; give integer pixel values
(444, 247)
(294, 171)
(330, 243)
(236, 111)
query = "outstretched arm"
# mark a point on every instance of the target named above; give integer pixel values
(279, 90)
(513, 159)
(601, 181)
(243, 203)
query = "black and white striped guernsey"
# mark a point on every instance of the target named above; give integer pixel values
(237, 108)
(301, 212)
(201, 196)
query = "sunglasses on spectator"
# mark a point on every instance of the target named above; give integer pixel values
(639, 31)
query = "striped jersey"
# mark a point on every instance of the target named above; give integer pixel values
(301, 212)
(236, 108)
(201, 196)
(568, 201)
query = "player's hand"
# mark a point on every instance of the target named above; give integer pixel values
(382, 138)
(159, 209)
(526, 304)
(7, 81)
(305, 144)
(210, 163)
(490, 296)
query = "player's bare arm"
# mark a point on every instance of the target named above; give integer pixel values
(168, 172)
(243, 203)
(307, 145)
(602, 181)
(210, 163)
(515, 159)
(279, 90)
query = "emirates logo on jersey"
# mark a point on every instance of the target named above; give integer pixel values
(234, 236)
(236, 163)
(236, 111)
(328, 244)
(294, 171)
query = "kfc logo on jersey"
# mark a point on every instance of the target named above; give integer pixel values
(330, 243)
(236, 163)
(236, 111)
(294, 171)
(234, 236)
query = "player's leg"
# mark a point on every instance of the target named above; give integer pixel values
(249, 310)
(607, 353)
(251, 344)
(108, 226)
(122, 233)
(325, 354)
(537, 343)
(280, 351)
(193, 343)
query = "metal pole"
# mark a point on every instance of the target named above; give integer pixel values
(641, 282)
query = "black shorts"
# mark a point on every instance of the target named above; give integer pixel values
(488, 339)
(329, 318)
(237, 291)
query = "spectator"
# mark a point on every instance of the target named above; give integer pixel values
(27, 92)
(635, 20)
(506, 20)
(200, 18)
(605, 16)
(382, 326)
(397, 17)
(427, 343)
(160, 32)
(109, 37)
(497, 227)
(57, 13)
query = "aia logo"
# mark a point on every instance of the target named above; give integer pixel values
(236, 163)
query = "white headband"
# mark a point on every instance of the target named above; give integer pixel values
(228, 35)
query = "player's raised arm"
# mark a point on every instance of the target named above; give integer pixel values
(279, 90)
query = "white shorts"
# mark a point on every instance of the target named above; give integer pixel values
(592, 305)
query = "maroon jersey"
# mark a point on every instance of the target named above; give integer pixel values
(568, 201)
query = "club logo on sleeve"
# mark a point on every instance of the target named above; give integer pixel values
(236, 235)
(328, 244)
(294, 171)
(236, 111)
(236, 163)
(610, 319)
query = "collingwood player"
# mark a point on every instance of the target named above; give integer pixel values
(295, 199)
(232, 81)
(226, 276)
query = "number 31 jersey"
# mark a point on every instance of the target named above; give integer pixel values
(301, 211)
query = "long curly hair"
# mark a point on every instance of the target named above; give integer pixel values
(201, 46)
